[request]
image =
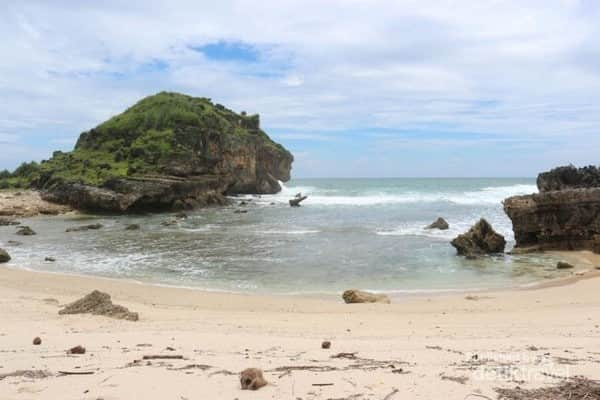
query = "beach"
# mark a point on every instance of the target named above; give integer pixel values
(463, 345)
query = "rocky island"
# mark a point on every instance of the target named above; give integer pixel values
(167, 152)
(564, 215)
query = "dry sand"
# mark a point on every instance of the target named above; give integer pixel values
(27, 203)
(451, 347)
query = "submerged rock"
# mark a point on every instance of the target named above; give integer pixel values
(252, 379)
(439, 223)
(84, 228)
(480, 239)
(4, 257)
(359, 296)
(132, 227)
(564, 215)
(25, 231)
(564, 265)
(8, 222)
(99, 303)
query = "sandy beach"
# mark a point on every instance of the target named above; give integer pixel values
(461, 345)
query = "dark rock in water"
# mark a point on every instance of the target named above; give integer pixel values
(563, 265)
(50, 259)
(132, 227)
(439, 223)
(85, 228)
(240, 211)
(14, 243)
(480, 239)
(181, 215)
(569, 177)
(25, 231)
(169, 222)
(295, 202)
(565, 215)
(167, 152)
(99, 303)
(243, 203)
(4, 257)
(8, 222)
(359, 296)
(252, 379)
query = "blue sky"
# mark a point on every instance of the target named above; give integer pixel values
(352, 87)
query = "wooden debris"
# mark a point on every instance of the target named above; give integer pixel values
(163, 357)
(76, 372)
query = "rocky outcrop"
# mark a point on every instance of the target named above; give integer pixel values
(25, 231)
(358, 296)
(167, 152)
(480, 239)
(439, 223)
(99, 303)
(4, 257)
(564, 215)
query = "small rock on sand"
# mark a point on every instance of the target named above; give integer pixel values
(564, 265)
(4, 257)
(359, 296)
(326, 344)
(99, 303)
(37, 341)
(76, 350)
(252, 379)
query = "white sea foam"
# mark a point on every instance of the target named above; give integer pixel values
(487, 195)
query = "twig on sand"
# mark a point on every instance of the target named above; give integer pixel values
(76, 372)
(391, 394)
(477, 395)
(350, 356)
(322, 384)
(163, 357)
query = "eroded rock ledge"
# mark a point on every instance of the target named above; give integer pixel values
(564, 215)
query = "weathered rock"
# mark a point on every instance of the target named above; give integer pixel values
(8, 222)
(439, 223)
(132, 227)
(76, 350)
(359, 296)
(569, 177)
(252, 379)
(25, 231)
(558, 220)
(84, 228)
(4, 257)
(37, 341)
(564, 265)
(480, 239)
(99, 303)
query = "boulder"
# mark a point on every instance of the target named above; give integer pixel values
(480, 239)
(99, 303)
(564, 265)
(252, 379)
(439, 223)
(25, 231)
(4, 257)
(84, 228)
(359, 296)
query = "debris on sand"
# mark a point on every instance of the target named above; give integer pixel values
(76, 350)
(252, 379)
(359, 296)
(99, 303)
(575, 388)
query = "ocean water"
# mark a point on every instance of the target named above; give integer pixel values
(349, 233)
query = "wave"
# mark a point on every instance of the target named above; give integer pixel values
(486, 196)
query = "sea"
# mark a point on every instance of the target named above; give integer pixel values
(349, 233)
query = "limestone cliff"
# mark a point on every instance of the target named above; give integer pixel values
(564, 215)
(168, 151)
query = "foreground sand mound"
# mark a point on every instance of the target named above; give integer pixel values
(576, 388)
(99, 303)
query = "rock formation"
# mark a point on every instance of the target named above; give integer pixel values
(439, 223)
(99, 303)
(359, 296)
(480, 239)
(564, 215)
(167, 152)
(4, 257)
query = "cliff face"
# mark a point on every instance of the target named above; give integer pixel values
(169, 151)
(564, 215)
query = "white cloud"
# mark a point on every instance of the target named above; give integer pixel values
(513, 69)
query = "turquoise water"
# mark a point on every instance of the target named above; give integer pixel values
(360, 233)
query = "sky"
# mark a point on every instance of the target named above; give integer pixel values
(353, 88)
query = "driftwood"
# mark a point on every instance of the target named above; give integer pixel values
(76, 372)
(163, 357)
(295, 202)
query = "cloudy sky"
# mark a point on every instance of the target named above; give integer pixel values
(351, 87)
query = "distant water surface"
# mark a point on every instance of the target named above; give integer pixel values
(350, 233)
